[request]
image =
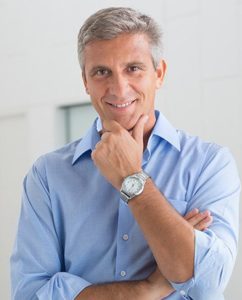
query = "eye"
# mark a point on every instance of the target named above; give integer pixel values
(133, 68)
(101, 72)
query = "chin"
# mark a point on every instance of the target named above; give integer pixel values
(128, 125)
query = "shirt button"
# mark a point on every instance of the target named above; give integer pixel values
(125, 237)
(182, 292)
(123, 273)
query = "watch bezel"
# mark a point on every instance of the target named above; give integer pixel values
(141, 177)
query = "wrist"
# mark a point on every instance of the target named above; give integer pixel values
(148, 290)
(158, 289)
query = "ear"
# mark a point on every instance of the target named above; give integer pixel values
(160, 72)
(85, 81)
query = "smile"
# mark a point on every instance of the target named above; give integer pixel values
(122, 105)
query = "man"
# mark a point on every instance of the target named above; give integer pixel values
(102, 218)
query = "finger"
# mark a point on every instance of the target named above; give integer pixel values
(98, 144)
(191, 213)
(110, 125)
(138, 130)
(93, 153)
(204, 224)
(201, 221)
(198, 218)
(105, 135)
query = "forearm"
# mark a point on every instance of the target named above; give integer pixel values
(117, 290)
(129, 290)
(169, 236)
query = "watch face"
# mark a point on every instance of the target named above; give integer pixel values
(133, 185)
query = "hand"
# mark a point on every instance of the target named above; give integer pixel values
(199, 220)
(119, 153)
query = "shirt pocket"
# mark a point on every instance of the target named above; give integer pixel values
(179, 205)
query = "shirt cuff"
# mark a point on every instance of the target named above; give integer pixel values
(62, 286)
(201, 246)
(206, 245)
(183, 287)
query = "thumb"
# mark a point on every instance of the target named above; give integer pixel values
(138, 130)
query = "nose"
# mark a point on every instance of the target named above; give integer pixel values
(119, 86)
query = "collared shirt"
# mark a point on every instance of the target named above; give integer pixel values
(74, 230)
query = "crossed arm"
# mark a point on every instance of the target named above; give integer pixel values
(170, 237)
(156, 286)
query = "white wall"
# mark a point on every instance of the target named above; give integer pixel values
(13, 159)
(39, 72)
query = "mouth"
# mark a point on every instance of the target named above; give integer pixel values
(121, 105)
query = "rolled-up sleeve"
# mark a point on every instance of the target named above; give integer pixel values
(37, 267)
(218, 190)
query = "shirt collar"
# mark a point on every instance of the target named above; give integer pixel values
(89, 141)
(165, 130)
(162, 129)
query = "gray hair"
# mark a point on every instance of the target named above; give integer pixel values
(108, 23)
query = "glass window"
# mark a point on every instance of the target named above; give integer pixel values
(78, 119)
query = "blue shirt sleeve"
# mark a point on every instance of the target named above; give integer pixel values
(218, 190)
(37, 268)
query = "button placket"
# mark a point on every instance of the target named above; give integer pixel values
(125, 221)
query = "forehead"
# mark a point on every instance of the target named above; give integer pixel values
(122, 49)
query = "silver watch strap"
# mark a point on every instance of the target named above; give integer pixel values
(144, 176)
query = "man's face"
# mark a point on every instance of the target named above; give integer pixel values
(121, 80)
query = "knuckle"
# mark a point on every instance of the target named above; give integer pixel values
(98, 146)
(105, 135)
(110, 137)
(198, 217)
(93, 154)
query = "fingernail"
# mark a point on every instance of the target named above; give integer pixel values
(206, 213)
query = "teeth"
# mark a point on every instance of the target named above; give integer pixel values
(122, 105)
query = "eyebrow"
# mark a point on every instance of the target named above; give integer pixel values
(136, 63)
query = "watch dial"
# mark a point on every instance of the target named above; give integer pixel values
(133, 185)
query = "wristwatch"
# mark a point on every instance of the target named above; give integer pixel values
(133, 185)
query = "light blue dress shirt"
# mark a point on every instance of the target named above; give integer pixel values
(74, 230)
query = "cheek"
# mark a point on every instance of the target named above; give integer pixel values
(96, 95)
(95, 87)
(97, 104)
(148, 84)
(152, 88)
